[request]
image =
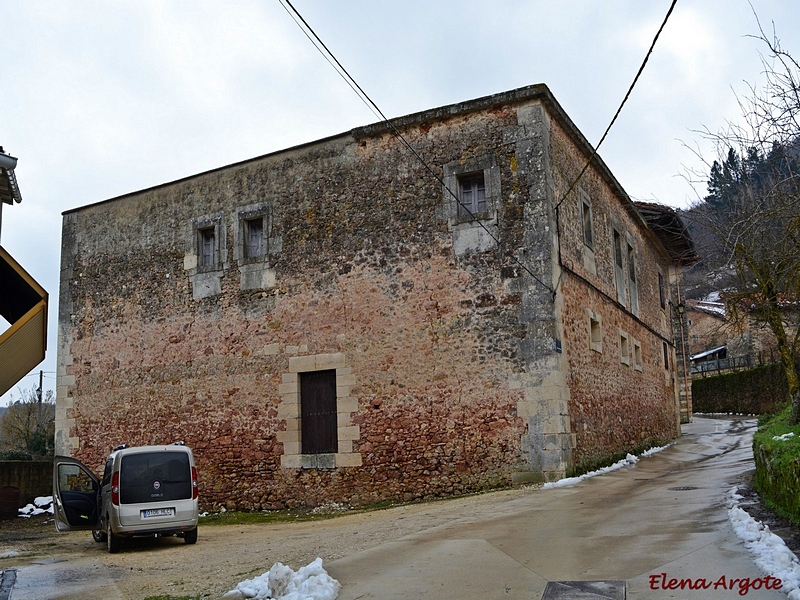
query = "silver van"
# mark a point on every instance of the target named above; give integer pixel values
(144, 491)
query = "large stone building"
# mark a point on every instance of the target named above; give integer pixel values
(340, 322)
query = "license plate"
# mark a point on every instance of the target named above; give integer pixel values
(158, 512)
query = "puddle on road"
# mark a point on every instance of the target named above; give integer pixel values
(49, 561)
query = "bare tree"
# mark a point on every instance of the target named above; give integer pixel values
(28, 424)
(751, 214)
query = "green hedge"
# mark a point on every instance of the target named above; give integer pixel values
(778, 464)
(758, 391)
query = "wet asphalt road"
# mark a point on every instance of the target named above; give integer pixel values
(666, 514)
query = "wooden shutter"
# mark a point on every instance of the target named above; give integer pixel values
(318, 412)
(254, 243)
(207, 247)
(473, 194)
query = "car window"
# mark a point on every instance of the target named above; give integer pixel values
(107, 472)
(71, 478)
(155, 477)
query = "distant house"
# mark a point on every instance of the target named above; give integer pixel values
(340, 322)
(719, 342)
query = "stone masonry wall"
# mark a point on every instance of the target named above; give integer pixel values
(461, 345)
(618, 403)
(361, 264)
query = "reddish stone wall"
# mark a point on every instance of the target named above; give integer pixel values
(449, 346)
(365, 267)
(615, 407)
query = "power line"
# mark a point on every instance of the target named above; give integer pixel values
(375, 109)
(344, 74)
(619, 110)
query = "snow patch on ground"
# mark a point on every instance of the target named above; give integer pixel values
(330, 508)
(769, 551)
(783, 438)
(628, 460)
(311, 582)
(40, 506)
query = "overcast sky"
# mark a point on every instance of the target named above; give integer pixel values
(101, 98)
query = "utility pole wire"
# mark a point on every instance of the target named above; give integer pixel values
(375, 109)
(624, 100)
(344, 74)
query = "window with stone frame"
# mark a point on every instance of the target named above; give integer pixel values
(253, 237)
(471, 194)
(633, 286)
(619, 271)
(471, 190)
(595, 332)
(624, 348)
(586, 220)
(207, 246)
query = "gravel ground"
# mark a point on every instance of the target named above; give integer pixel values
(227, 554)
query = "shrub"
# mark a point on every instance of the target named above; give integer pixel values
(778, 464)
(762, 390)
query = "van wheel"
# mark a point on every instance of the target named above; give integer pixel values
(190, 537)
(114, 542)
(99, 536)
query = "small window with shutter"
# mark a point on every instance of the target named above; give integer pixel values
(471, 194)
(254, 237)
(586, 220)
(207, 242)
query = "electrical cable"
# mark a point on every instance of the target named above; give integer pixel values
(374, 107)
(344, 74)
(619, 110)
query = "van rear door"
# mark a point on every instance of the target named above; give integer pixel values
(76, 495)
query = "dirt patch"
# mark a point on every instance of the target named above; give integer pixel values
(783, 528)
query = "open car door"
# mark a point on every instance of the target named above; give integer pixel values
(76, 495)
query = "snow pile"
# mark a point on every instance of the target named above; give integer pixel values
(770, 552)
(40, 506)
(782, 438)
(655, 450)
(330, 508)
(628, 460)
(311, 582)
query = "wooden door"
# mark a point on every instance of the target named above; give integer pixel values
(318, 412)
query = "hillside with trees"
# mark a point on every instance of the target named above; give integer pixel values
(747, 226)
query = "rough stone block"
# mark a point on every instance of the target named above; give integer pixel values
(291, 447)
(291, 461)
(288, 410)
(347, 405)
(291, 387)
(349, 433)
(527, 477)
(330, 361)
